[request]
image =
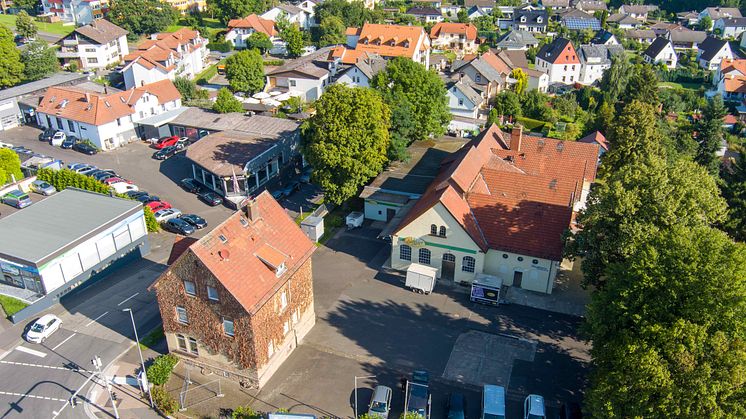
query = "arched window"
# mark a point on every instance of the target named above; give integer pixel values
(442, 231)
(424, 256)
(405, 252)
(449, 257)
(467, 264)
(433, 230)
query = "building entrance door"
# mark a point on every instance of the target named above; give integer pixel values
(448, 267)
(517, 279)
(390, 213)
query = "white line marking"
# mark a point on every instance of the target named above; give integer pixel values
(60, 344)
(31, 351)
(94, 320)
(128, 298)
(49, 367)
(31, 396)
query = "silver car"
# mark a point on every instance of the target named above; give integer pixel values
(380, 404)
(42, 187)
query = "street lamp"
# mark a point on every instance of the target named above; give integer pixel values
(356, 377)
(143, 380)
(97, 364)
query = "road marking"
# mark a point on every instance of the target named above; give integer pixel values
(60, 344)
(49, 367)
(128, 298)
(96, 319)
(31, 351)
(32, 396)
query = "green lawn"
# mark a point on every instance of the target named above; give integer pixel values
(669, 84)
(207, 74)
(53, 28)
(214, 25)
(11, 305)
(152, 338)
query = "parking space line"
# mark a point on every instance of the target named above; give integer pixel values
(31, 351)
(5, 393)
(60, 344)
(128, 298)
(96, 319)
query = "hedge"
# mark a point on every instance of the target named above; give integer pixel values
(66, 178)
(531, 124)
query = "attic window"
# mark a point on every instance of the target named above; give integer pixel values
(273, 258)
(244, 222)
(560, 146)
(108, 105)
(89, 107)
(223, 239)
(64, 103)
(553, 184)
(122, 99)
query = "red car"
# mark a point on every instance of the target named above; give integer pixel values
(166, 141)
(111, 180)
(158, 205)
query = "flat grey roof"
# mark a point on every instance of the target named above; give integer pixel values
(53, 80)
(47, 227)
(257, 124)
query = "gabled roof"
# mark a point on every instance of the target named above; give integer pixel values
(638, 9)
(391, 40)
(656, 47)
(371, 65)
(731, 65)
(710, 47)
(553, 51)
(598, 54)
(240, 253)
(592, 5)
(466, 89)
(517, 39)
(531, 15)
(101, 31)
(555, 3)
(639, 34)
(466, 29)
(717, 12)
(681, 34)
(423, 11)
(596, 138)
(489, 65)
(602, 37)
(734, 22)
(481, 3)
(256, 23)
(313, 66)
(161, 47)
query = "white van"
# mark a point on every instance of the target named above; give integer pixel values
(493, 402)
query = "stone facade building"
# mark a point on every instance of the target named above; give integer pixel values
(238, 301)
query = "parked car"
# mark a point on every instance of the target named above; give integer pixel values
(166, 141)
(42, 187)
(418, 397)
(456, 406)
(147, 198)
(16, 198)
(165, 152)
(47, 135)
(69, 142)
(195, 220)
(190, 185)
(87, 170)
(210, 198)
(84, 148)
(277, 194)
(179, 226)
(380, 403)
(21, 149)
(58, 138)
(166, 214)
(43, 328)
(77, 167)
(135, 194)
(123, 187)
(533, 407)
(6, 145)
(570, 411)
(156, 206)
(104, 175)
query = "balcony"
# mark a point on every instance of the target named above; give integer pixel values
(70, 42)
(67, 54)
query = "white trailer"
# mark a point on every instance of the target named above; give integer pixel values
(354, 220)
(421, 278)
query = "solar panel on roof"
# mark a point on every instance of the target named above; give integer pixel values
(574, 23)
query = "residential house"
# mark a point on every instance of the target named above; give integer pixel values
(458, 37)
(685, 38)
(298, 15)
(742, 44)
(661, 51)
(487, 72)
(559, 61)
(239, 30)
(591, 6)
(689, 18)
(712, 51)
(485, 5)
(517, 40)
(594, 60)
(426, 14)
(464, 100)
(577, 20)
(389, 41)
(718, 12)
(475, 12)
(362, 71)
(166, 56)
(75, 12)
(308, 75)
(188, 6)
(624, 21)
(729, 27)
(557, 6)
(530, 19)
(638, 11)
(238, 301)
(504, 17)
(643, 36)
(662, 28)
(604, 37)
(99, 44)
(499, 207)
(107, 120)
(730, 79)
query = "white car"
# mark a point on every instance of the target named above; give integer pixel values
(43, 328)
(533, 407)
(6, 145)
(58, 138)
(166, 214)
(123, 187)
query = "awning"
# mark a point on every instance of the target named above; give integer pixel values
(164, 118)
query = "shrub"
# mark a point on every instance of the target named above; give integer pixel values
(245, 412)
(160, 370)
(274, 63)
(334, 221)
(164, 400)
(224, 46)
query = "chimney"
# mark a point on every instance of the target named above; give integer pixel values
(516, 135)
(87, 97)
(252, 210)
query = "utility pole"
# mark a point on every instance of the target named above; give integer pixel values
(97, 364)
(143, 379)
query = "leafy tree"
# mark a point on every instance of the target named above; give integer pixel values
(521, 80)
(632, 135)
(186, 87)
(11, 67)
(493, 118)
(614, 80)
(293, 39)
(346, 140)
(734, 192)
(226, 103)
(39, 60)
(705, 23)
(535, 104)
(28, 6)
(710, 129)
(605, 116)
(260, 41)
(141, 16)
(10, 164)
(643, 85)
(226, 10)
(332, 31)
(352, 13)
(245, 412)
(462, 16)
(414, 93)
(507, 103)
(245, 71)
(25, 25)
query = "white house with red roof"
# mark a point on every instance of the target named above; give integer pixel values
(389, 41)
(458, 37)
(730, 79)
(499, 206)
(108, 120)
(166, 56)
(239, 30)
(559, 61)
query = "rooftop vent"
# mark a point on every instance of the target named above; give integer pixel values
(224, 254)
(64, 103)
(223, 239)
(560, 146)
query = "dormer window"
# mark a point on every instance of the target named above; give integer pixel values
(273, 258)
(523, 19)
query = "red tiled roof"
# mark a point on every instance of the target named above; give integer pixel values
(231, 251)
(596, 138)
(181, 245)
(377, 39)
(518, 201)
(255, 22)
(466, 29)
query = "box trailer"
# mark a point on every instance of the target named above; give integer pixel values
(486, 289)
(421, 278)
